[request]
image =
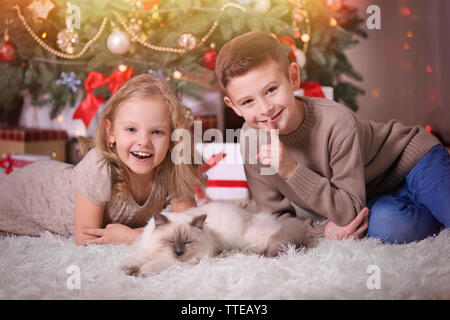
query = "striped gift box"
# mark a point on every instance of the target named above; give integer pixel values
(225, 172)
(47, 142)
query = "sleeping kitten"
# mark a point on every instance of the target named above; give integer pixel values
(202, 232)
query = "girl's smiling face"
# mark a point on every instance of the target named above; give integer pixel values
(141, 132)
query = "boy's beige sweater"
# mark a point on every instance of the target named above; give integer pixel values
(342, 161)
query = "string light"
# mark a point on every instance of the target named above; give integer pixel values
(333, 22)
(405, 11)
(122, 67)
(305, 37)
(177, 75)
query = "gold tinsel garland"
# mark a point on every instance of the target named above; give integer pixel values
(56, 52)
(135, 37)
(205, 38)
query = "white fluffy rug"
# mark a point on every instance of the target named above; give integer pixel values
(42, 268)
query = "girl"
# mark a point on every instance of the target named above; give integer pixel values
(120, 183)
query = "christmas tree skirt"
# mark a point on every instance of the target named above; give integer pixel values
(44, 268)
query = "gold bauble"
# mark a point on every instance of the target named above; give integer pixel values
(187, 41)
(67, 40)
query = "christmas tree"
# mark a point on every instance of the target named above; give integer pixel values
(50, 47)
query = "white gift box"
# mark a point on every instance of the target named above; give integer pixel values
(226, 177)
(327, 91)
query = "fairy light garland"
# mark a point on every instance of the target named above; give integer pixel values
(50, 49)
(299, 15)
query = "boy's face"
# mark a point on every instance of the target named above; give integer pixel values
(266, 93)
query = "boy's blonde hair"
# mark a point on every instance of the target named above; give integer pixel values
(246, 52)
(176, 180)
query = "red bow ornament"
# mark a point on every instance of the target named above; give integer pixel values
(291, 44)
(7, 163)
(89, 106)
(312, 89)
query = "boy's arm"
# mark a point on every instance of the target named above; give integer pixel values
(341, 198)
(266, 195)
(269, 199)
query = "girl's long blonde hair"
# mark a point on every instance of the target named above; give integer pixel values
(174, 180)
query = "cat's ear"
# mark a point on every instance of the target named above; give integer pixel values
(198, 221)
(160, 220)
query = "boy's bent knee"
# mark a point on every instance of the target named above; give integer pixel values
(393, 221)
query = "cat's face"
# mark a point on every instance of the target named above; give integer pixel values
(182, 237)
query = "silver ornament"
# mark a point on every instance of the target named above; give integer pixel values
(118, 42)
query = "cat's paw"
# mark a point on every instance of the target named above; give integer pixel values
(131, 270)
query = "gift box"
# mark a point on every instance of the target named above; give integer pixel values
(20, 140)
(310, 91)
(12, 162)
(225, 171)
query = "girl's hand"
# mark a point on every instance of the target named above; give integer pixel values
(354, 229)
(113, 234)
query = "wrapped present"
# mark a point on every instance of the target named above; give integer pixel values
(47, 142)
(225, 171)
(313, 89)
(10, 163)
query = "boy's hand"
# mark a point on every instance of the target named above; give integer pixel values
(113, 234)
(354, 229)
(277, 158)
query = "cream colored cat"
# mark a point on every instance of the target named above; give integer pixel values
(202, 232)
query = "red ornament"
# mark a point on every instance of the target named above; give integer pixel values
(8, 52)
(148, 5)
(209, 59)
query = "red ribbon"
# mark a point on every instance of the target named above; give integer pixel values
(89, 106)
(213, 161)
(7, 163)
(216, 158)
(291, 44)
(227, 183)
(312, 89)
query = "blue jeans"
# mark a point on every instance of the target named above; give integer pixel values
(420, 207)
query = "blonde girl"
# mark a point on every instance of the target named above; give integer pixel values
(126, 177)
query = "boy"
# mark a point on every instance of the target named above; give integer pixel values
(330, 161)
